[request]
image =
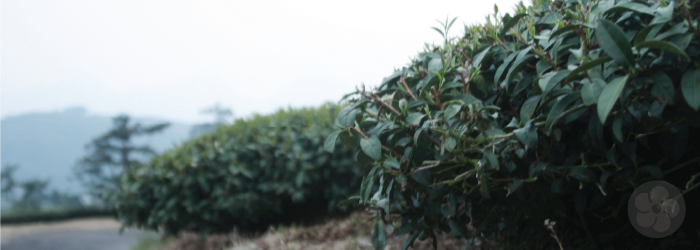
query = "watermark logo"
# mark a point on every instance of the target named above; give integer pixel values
(656, 209)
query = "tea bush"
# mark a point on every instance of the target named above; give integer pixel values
(256, 172)
(554, 113)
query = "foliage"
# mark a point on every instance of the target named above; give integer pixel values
(557, 112)
(112, 153)
(255, 172)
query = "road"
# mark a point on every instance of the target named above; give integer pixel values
(87, 234)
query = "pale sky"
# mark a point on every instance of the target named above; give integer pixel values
(170, 59)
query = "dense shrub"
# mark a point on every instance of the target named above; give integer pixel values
(557, 112)
(258, 171)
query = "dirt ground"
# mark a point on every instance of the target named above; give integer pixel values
(93, 234)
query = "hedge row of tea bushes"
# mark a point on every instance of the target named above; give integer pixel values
(56, 215)
(555, 113)
(256, 172)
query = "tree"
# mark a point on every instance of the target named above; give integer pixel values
(112, 153)
(8, 182)
(221, 116)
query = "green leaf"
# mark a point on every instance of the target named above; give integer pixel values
(661, 45)
(420, 148)
(414, 118)
(527, 135)
(558, 109)
(329, 145)
(614, 42)
(450, 144)
(352, 199)
(346, 116)
(422, 177)
(631, 6)
(511, 22)
(439, 31)
(409, 241)
(367, 184)
(517, 66)
(502, 67)
(379, 236)
(663, 14)
(617, 127)
(591, 91)
(417, 103)
(647, 33)
(451, 111)
(663, 87)
(583, 174)
(690, 85)
(457, 229)
(435, 65)
(527, 111)
(479, 57)
(390, 162)
(550, 80)
(514, 186)
(587, 66)
(609, 96)
(372, 147)
(561, 31)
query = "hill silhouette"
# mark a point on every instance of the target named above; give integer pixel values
(48, 145)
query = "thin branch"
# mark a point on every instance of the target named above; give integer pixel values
(382, 102)
(408, 89)
(437, 98)
(423, 168)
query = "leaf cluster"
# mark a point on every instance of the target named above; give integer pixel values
(557, 112)
(253, 173)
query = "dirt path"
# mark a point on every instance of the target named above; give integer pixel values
(93, 234)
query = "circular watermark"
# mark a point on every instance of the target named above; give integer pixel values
(656, 209)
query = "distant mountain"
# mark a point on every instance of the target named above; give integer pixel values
(48, 145)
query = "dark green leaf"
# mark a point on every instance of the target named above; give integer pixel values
(514, 186)
(511, 22)
(561, 31)
(517, 66)
(609, 97)
(502, 68)
(617, 127)
(390, 162)
(527, 111)
(587, 66)
(479, 57)
(352, 199)
(329, 145)
(558, 109)
(550, 80)
(663, 14)
(582, 174)
(451, 111)
(420, 149)
(690, 85)
(631, 6)
(379, 236)
(422, 177)
(372, 147)
(663, 87)
(409, 241)
(591, 91)
(417, 103)
(647, 34)
(346, 116)
(524, 84)
(614, 42)
(414, 118)
(527, 135)
(662, 45)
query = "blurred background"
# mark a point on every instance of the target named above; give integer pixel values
(74, 71)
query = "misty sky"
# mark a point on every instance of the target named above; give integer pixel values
(170, 59)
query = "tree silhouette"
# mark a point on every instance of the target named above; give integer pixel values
(112, 153)
(221, 116)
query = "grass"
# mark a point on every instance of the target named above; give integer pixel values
(150, 242)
